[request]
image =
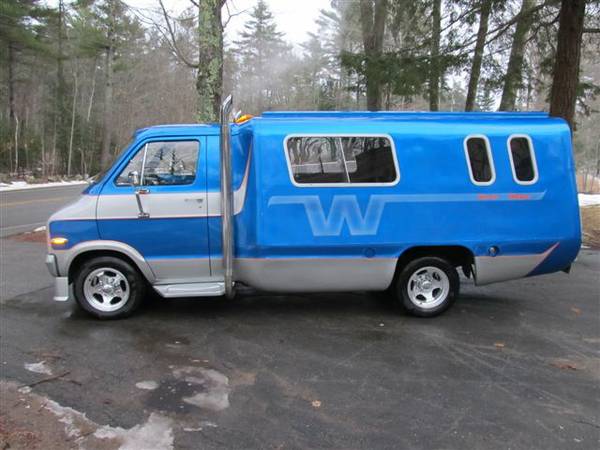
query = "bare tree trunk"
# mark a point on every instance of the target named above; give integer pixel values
(434, 66)
(43, 150)
(11, 83)
(105, 156)
(61, 89)
(91, 102)
(75, 90)
(209, 80)
(54, 149)
(11, 91)
(16, 119)
(563, 95)
(484, 15)
(513, 77)
(373, 14)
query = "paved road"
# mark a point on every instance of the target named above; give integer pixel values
(514, 365)
(28, 209)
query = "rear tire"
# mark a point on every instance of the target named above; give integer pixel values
(108, 288)
(426, 287)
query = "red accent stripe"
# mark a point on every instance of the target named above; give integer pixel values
(488, 196)
(519, 196)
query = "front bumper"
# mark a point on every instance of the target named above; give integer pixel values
(61, 289)
(52, 264)
(61, 284)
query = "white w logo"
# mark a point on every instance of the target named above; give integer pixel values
(344, 208)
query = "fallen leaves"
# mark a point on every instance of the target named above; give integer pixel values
(564, 365)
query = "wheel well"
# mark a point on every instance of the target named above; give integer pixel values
(86, 256)
(457, 255)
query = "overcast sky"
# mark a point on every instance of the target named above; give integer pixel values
(295, 18)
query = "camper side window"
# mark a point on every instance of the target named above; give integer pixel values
(341, 160)
(522, 159)
(479, 160)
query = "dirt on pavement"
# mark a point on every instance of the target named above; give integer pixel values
(30, 421)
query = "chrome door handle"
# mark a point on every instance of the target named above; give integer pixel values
(142, 191)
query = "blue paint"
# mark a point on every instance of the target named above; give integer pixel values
(434, 202)
(76, 231)
(160, 238)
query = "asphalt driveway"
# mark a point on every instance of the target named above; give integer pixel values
(514, 365)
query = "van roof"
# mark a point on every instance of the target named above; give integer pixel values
(178, 129)
(388, 116)
(404, 115)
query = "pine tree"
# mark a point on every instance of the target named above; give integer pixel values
(260, 46)
(18, 35)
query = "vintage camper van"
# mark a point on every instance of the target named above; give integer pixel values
(322, 201)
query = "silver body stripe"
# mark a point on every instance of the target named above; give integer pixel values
(181, 270)
(158, 205)
(315, 274)
(64, 258)
(83, 208)
(491, 269)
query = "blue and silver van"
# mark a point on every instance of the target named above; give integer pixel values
(322, 201)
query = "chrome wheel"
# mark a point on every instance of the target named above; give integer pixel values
(106, 289)
(428, 287)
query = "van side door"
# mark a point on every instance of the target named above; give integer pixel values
(157, 204)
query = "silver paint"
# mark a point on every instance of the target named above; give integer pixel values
(181, 270)
(315, 274)
(212, 289)
(61, 289)
(52, 265)
(227, 229)
(64, 258)
(492, 269)
(83, 208)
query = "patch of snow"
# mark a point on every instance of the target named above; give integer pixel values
(39, 367)
(68, 416)
(24, 390)
(147, 385)
(589, 199)
(215, 387)
(38, 229)
(204, 424)
(20, 185)
(155, 434)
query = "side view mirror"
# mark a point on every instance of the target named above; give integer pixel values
(133, 178)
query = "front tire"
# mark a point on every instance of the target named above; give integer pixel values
(426, 287)
(108, 288)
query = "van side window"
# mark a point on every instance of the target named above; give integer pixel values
(522, 160)
(168, 163)
(341, 159)
(479, 159)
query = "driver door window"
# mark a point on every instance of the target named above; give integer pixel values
(168, 163)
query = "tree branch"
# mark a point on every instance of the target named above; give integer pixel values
(231, 15)
(173, 41)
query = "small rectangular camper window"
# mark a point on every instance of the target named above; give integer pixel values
(342, 160)
(479, 160)
(522, 159)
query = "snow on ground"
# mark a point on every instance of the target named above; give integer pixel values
(589, 199)
(39, 367)
(19, 185)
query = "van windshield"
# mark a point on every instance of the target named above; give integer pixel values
(95, 179)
